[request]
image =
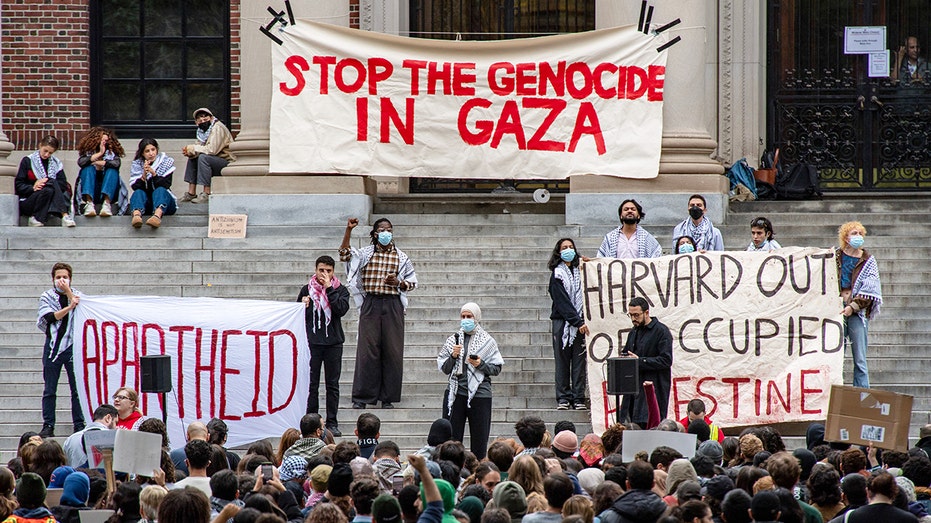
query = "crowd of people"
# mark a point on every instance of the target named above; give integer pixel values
(539, 474)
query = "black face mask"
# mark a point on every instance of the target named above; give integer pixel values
(696, 212)
(630, 221)
(204, 125)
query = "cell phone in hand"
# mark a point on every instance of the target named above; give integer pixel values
(268, 471)
(397, 483)
(473, 357)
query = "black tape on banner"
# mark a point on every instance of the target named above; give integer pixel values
(668, 44)
(667, 26)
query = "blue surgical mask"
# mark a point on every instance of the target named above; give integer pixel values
(467, 324)
(856, 241)
(384, 237)
(567, 255)
(686, 248)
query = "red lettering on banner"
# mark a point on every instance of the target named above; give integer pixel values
(555, 106)
(256, 377)
(555, 79)
(443, 75)
(179, 385)
(390, 113)
(224, 370)
(526, 80)
(597, 77)
(92, 359)
(339, 75)
(772, 392)
(735, 399)
(415, 66)
(200, 368)
(636, 83)
(104, 349)
(362, 119)
(462, 78)
(575, 69)
(509, 123)
(587, 114)
(271, 371)
(507, 86)
(712, 401)
(129, 357)
(656, 78)
(296, 65)
(484, 128)
(379, 69)
(804, 391)
(676, 401)
(324, 62)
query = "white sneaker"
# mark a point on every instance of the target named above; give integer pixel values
(89, 211)
(67, 221)
(202, 198)
(105, 211)
(33, 222)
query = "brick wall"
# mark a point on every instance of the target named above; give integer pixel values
(354, 14)
(46, 71)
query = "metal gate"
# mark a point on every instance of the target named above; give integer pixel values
(862, 133)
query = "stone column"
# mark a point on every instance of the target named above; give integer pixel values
(9, 203)
(689, 124)
(246, 186)
(742, 93)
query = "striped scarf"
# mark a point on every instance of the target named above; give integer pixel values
(868, 285)
(203, 135)
(321, 303)
(572, 282)
(701, 233)
(481, 344)
(57, 341)
(54, 166)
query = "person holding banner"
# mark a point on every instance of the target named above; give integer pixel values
(630, 240)
(651, 342)
(55, 320)
(761, 232)
(861, 290)
(569, 327)
(380, 276)
(699, 227)
(470, 357)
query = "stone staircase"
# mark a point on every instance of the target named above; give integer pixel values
(495, 255)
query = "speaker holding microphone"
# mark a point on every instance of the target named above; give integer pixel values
(623, 376)
(156, 373)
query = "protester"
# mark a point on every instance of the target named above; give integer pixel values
(326, 301)
(54, 319)
(651, 342)
(207, 156)
(42, 186)
(630, 240)
(684, 245)
(185, 505)
(761, 233)
(196, 430)
(150, 178)
(126, 401)
(367, 431)
(105, 418)
(99, 179)
(697, 226)
(218, 433)
(569, 329)
(882, 490)
(197, 460)
(30, 494)
(380, 276)
(861, 290)
(310, 443)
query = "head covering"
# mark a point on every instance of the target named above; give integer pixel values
(361, 467)
(590, 478)
(814, 436)
(386, 509)
(906, 485)
(201, 110)
(441, 431)
(474, 309)
(718, 487)
(807, 460)
(688, 490)
(511, 497)
(385, 469)
(472, 506)
(76, 490)
(319, 477)
(566, 441)
(448, 493)
(340, 478)
(292, 467)
(712, 450)
(30, 490)
(679, 470)
(434, 469)
(659, 482)
(591, 450)
(59, 476)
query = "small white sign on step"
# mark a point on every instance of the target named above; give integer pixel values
(227, 226)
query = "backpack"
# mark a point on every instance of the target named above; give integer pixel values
(800, 182)
(741, 174)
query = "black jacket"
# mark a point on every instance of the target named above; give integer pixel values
(653, 346)
(331, 334)
(25, 179)
(562, 304)
(635, 506)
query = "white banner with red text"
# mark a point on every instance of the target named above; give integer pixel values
(358, 102)
(242, 361)
(759, 337)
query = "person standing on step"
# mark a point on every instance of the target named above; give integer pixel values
(470, 357)
(326, 301)
(207, 157)
(630, 240)
(150, 178)
(380, 276)
(56, 321)
(42, 187)
(651, 342)
(861, 291)
(99, 179)
(699, 227)
(569, 327)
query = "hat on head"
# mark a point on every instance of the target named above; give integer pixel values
(807, 460)
(510, 496)
(712, 450)
(474, 309)
(764, 506)
(30, 490)
(386, 509)
(292, 467)
(718, 487)
(385, 469)
(688, 490)
(319, 477)
(76, 490)
(566, 441)
(202, 110)
(906, 485)
(440, 432)
(472, 506)
(591, 450)
(434, 469)
(590, 478)
(340, 479)
(59, 476)
(361, 467)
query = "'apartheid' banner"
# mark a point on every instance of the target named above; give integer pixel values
(243, 361)
(758, 337)
(358, 102)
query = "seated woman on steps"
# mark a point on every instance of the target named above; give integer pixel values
(42, 187)
(150, 178)
(99, 179)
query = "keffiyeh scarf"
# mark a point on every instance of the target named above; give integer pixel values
(163, 166)
(701, 233)
(203, 135)
(481, 344)
(868, 285)
(572, 282)
(54, 166)
(321, 303)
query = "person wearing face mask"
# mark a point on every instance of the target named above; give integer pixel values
(761, 233)
(861, 291)
(470, 357)
(569, 327)
(684, 245)
(380, 275)
(630, 240)
(207, 157)
(56, 321)
(699, 227)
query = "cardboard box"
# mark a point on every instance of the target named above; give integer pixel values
(861, 416)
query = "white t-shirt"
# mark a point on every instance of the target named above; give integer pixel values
(203, 484)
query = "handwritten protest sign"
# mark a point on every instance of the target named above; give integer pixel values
(757, 336)
(359, 102)
(242, 361)
(227, 226)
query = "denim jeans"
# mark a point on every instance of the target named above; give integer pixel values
(51, 373)
(108, 186)
(855, 330)
(570, 367)
(140, 201)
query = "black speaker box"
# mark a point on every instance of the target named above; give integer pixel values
(156, 373)
(623, 376)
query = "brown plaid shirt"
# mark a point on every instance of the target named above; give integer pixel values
(384, 262)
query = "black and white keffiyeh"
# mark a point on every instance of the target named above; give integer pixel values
(571, 280)
(38, 168)
(481, 344)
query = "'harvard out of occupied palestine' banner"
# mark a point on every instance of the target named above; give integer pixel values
(358, 102)
(237, 360)
(758, 337)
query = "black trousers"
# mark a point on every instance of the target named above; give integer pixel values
(571, 371)
(380, 351)
(330, 359)
(50, 199)
(479, 416)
